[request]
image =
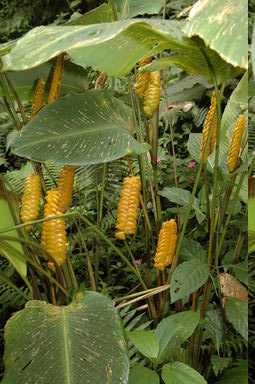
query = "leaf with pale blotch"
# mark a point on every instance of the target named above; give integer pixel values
(81, 343)
(115, 47)
(223, 25)
(87, 128)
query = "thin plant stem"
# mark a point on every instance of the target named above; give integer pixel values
(172, 142)
(22, 112)
(35, 265)
(10, 102)
(90, 268)
(207, 196)
(71, 273)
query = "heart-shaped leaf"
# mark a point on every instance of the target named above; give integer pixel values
(81, 343)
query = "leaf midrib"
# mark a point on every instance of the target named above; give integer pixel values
(47, 139)
(66, 359)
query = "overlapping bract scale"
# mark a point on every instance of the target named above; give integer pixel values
(152, 94)
(53, 231)
(65, 187)
(166, 245)
(128, 207)
(31, 200)
(56, 79)
(235, 143)
(206, 130)
(37, 102)
(142, 79)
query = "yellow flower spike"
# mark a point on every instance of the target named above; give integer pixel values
(128, 207)
(56, 79)
(166, 245)
(142, 79)
(206, 130)
(53, 237)
(152, 94)
(31, 200)
(37, 102)
(56, 240)
(65, 186)
(235, 143)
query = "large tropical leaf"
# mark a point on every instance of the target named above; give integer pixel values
(223, 25)
(114, 48)
(236, 375)
(80, 343)
(142, 375)
(87, 128)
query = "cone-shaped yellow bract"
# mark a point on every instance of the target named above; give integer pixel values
(37, 102)
(56, 79)
(235, 143)
(65, 187)
(53, 232)
(206, 130)
(152, 94)
(31, 200)
(166, 245)
(142, 79)
(128, 207)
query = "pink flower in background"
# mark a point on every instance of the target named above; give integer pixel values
(192, 164)
(139, 261)
(158, 158)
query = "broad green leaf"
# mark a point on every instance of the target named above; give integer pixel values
(132, 8)
(174, 330)
(79, 343)
(142, 375)
(115, 47)
(7, 220)
(192, 250)
(236, 375)
(182, 197)
(179, 373)
(101, 14)
(237, 314)
(187, 278)
(214, 326)
(223, 25)
(145, 342)
(198, 65)
(87, 128)
(74, 80)
(241, 271)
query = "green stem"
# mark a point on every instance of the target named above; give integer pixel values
(10, 102)
(232, 206)
(109, 242)
(90, 269)
(35, 265)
